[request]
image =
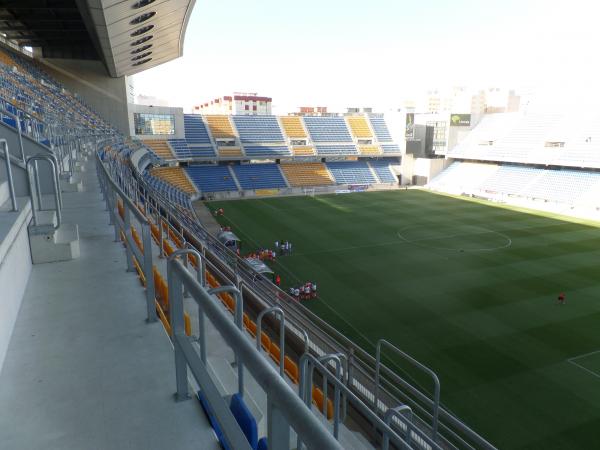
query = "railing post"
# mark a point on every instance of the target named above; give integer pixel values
(148, 273)
(177, 329)
(9, 175)
(278, 311)
(126, 231)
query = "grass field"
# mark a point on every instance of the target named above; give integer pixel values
(465, 287)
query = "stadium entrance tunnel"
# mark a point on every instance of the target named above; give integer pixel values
(456, 238)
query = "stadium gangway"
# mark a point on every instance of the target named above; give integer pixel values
(11, 183)
(361, 365)
(285, 410)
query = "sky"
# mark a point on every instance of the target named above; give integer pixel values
(378, 53)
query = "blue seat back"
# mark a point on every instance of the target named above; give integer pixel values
(245, 419)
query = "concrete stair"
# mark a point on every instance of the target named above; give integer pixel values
(71, 184)
(49, 244)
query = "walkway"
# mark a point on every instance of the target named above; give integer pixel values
(83, 368)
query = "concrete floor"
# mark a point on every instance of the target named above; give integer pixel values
(83, 369)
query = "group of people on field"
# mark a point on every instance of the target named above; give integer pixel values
(263, 254)
(284, 246)
(305, 292)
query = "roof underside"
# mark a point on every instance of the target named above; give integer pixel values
(128, 36)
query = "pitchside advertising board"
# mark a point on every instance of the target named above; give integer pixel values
(460, 120)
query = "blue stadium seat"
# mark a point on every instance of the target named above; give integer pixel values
(258, 129)
(327, 129)
(263, 151)
(383, 171)
(245, 419)
(352, 172)
(381, 129)
(211, 178)
(183, 150)
(195, 130)
(259, 176)
(263, 444)
(336, 150)
(390, 148)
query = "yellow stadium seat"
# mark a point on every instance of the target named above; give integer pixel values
(230, 152)
(160, 147)
(359, 127)
(220, 126)
(307, 174)
(175, 176)
(292, 127)
(369, 150)
(303, 150)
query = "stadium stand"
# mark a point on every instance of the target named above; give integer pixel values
(184, 151)
(220, 126)
(359, 127)
(195, 129)
(337, 150)
(264, 151)
(259, 176)
(369, 150)
(307, 174)
(303, 150)
(160, 148)
(383, 171)
(390, 148)
(230, 152)
(463, 176)
(258, 129)
(327, 129)
(380, 128)
(354, 172)
(292, 126)
(209, 178)
(175, 176)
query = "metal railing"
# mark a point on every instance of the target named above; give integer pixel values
(34, 186)
(9, 176)
(285, 410)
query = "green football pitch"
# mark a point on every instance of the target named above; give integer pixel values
(466, 287)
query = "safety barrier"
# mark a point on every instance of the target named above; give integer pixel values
(34, 180)
(9, 175)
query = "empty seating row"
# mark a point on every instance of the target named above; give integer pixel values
(292, 127)
(380, 128)
(195, 130)
(327, 129)
(175, 176)
(259, 176)
(383, 171)
(160, 148)
(337, 150)
(354, 172)
(307, 174)
(220, 126)
(359, 127)
(230, 152)
(369, 150)
(258, 129)
(211, 178)
(183, 150)
(390, 148)
(264, 151)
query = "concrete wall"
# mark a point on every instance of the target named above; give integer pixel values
(15, 268)
(421, 170)
(89, 79)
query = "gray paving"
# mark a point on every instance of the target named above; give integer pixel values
(83, 369)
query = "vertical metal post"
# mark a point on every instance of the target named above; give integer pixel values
(148, 273)
(398, 411)
(38, 190)
(278, 311)
(177, 329)
(9, 175)
(127, 231)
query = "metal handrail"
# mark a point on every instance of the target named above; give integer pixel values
(285, 409)
(9, 175)
(35, 179)
(279, 311)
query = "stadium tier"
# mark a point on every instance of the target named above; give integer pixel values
(160, 148)
(258, 129)
(359, 127)
(195, 129)
(211, 178)
(292, 126)
(264, 151)
(259, 176)
(220, 126)
(175, 176)
(327, 129)
(383, 171)
(307, 174)
(380, 128)
(355, 172)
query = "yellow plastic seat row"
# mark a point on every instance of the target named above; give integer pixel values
(369, 150)
(160, 147)
(292, 127)
(359, 127)
(220, 126)
(175, 176)
(229, 152)
(306, 174)
(303, 150)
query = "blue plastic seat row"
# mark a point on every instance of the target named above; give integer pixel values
(335, 150)
(383, 171)
(211, 178)
(259, 176)
(256, 129)
(263, 151)
(381, 130)
(195, 129)
(327, 129)
(352, 172)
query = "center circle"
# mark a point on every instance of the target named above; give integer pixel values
(458, 238)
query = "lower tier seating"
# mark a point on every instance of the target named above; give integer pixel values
(383, 171)
(175, 176)
(307, 174)
(354, 172)
(211, 178)
(259, 176)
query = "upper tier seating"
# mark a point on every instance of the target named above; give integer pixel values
(355, 172)
(220, 126)
(390, 148)
(175, 176)
(258, 129)
(195, 130)
(259, 176)
(303, 150)
(337, 150)
(383, 171)
(182, 150)
(359, 127)
(369, 150)
(263, 151)
(381, 129)
(292, 126)
(211, 178)
(307, 174)
(226, 151)
(160, 148)
(327, 129)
